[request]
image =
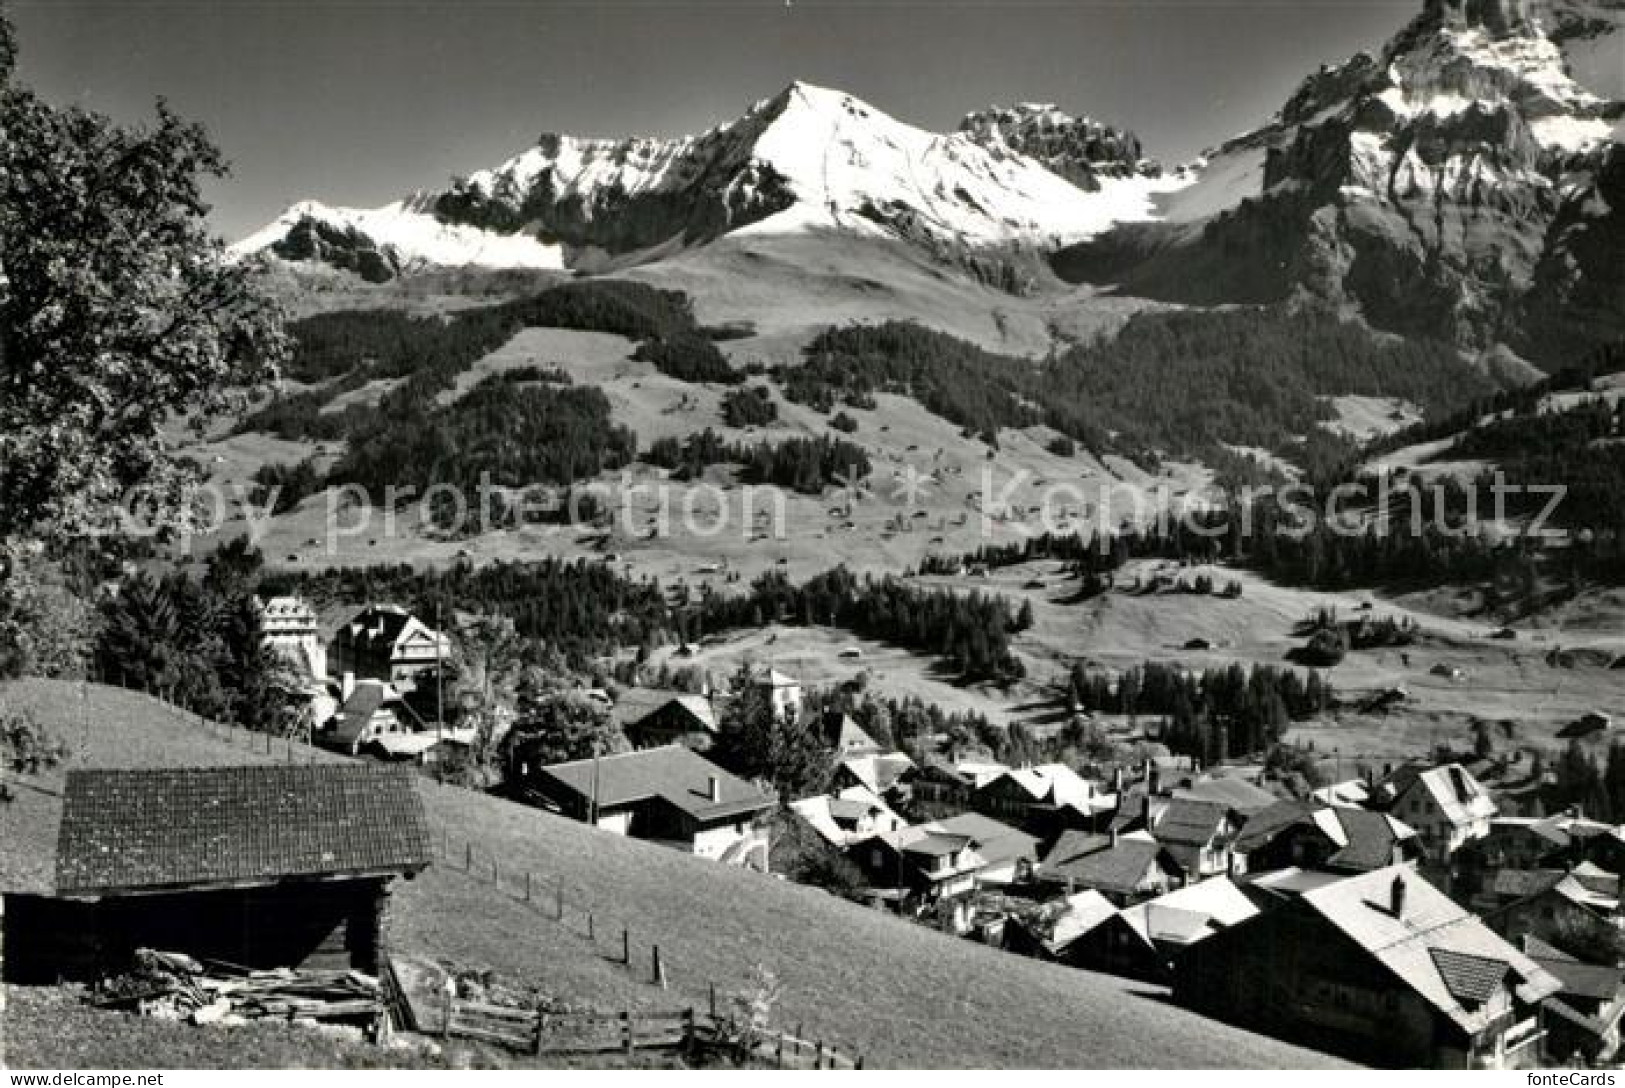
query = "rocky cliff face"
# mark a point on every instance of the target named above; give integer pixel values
(1078, 149)
(1441, 188)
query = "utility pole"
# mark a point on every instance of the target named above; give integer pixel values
(439, 677)
(592, 807)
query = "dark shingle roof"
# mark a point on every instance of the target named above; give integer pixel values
(1190, 823)
(1072, 846)
(1262, 827)
(1116, 869)
(1522, 883)
(1371, 839)
(1469, 978)
(135, 830)
(673, 773)
(1584, 979)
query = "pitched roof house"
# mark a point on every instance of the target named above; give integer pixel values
(1381, 967)
(373, 710)
(1560, 910)
(840, 732)
(1446, 805)
(386, 642)
(1583, 1017)
(940, 786)
(669, 795)
(920, 866)
(1008, 855)
(1051, 929)
(262, 866)
(848, 816)
(1311, 835)
(1046, 798)
(1143, 940)
(883, 773)
(1197, 835)
(1125, 869)
(652, 718)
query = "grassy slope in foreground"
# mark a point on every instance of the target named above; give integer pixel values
(902, 994)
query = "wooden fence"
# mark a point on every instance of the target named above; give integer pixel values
(686, 1030)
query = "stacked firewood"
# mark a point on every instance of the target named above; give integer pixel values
(175, 986)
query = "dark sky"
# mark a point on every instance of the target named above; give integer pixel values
(359, 101)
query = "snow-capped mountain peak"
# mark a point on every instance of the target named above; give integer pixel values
(807, 158)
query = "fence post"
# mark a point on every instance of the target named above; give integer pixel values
(857, 1063)
(468, 857)
(626, 1027)
(713, 988)
(659, 967)
(590, 934)
(818, 1056)
(690, 1040)
(541, 1030)
(626, 947)
(527, 885)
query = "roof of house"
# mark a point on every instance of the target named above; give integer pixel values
(1369, 839)
(1589, 980)
(1457, 794)
(1235, 793)
(1188, 822)
(673, 773)
(827, 813)
(1120, 869)
(1262, 827)
(406, 745)
(369, 698)
(1131, 807)
(1188, 914)
(1407, 941)
(1072, 845)
(1521, 883)
(285, 610)
(998, 843)
(1293, 880)
(934, 844)
(1352, 791)
(1080, 914)
(387, 625)
(1470, 979)
(636, 704)
(878, 772)
(773, 678)
(844, 734)
(1051, 783)
(158, 829)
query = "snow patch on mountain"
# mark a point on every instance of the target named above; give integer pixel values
(848, 163)
(408, 235)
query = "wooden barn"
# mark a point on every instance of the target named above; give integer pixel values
(259, 866)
